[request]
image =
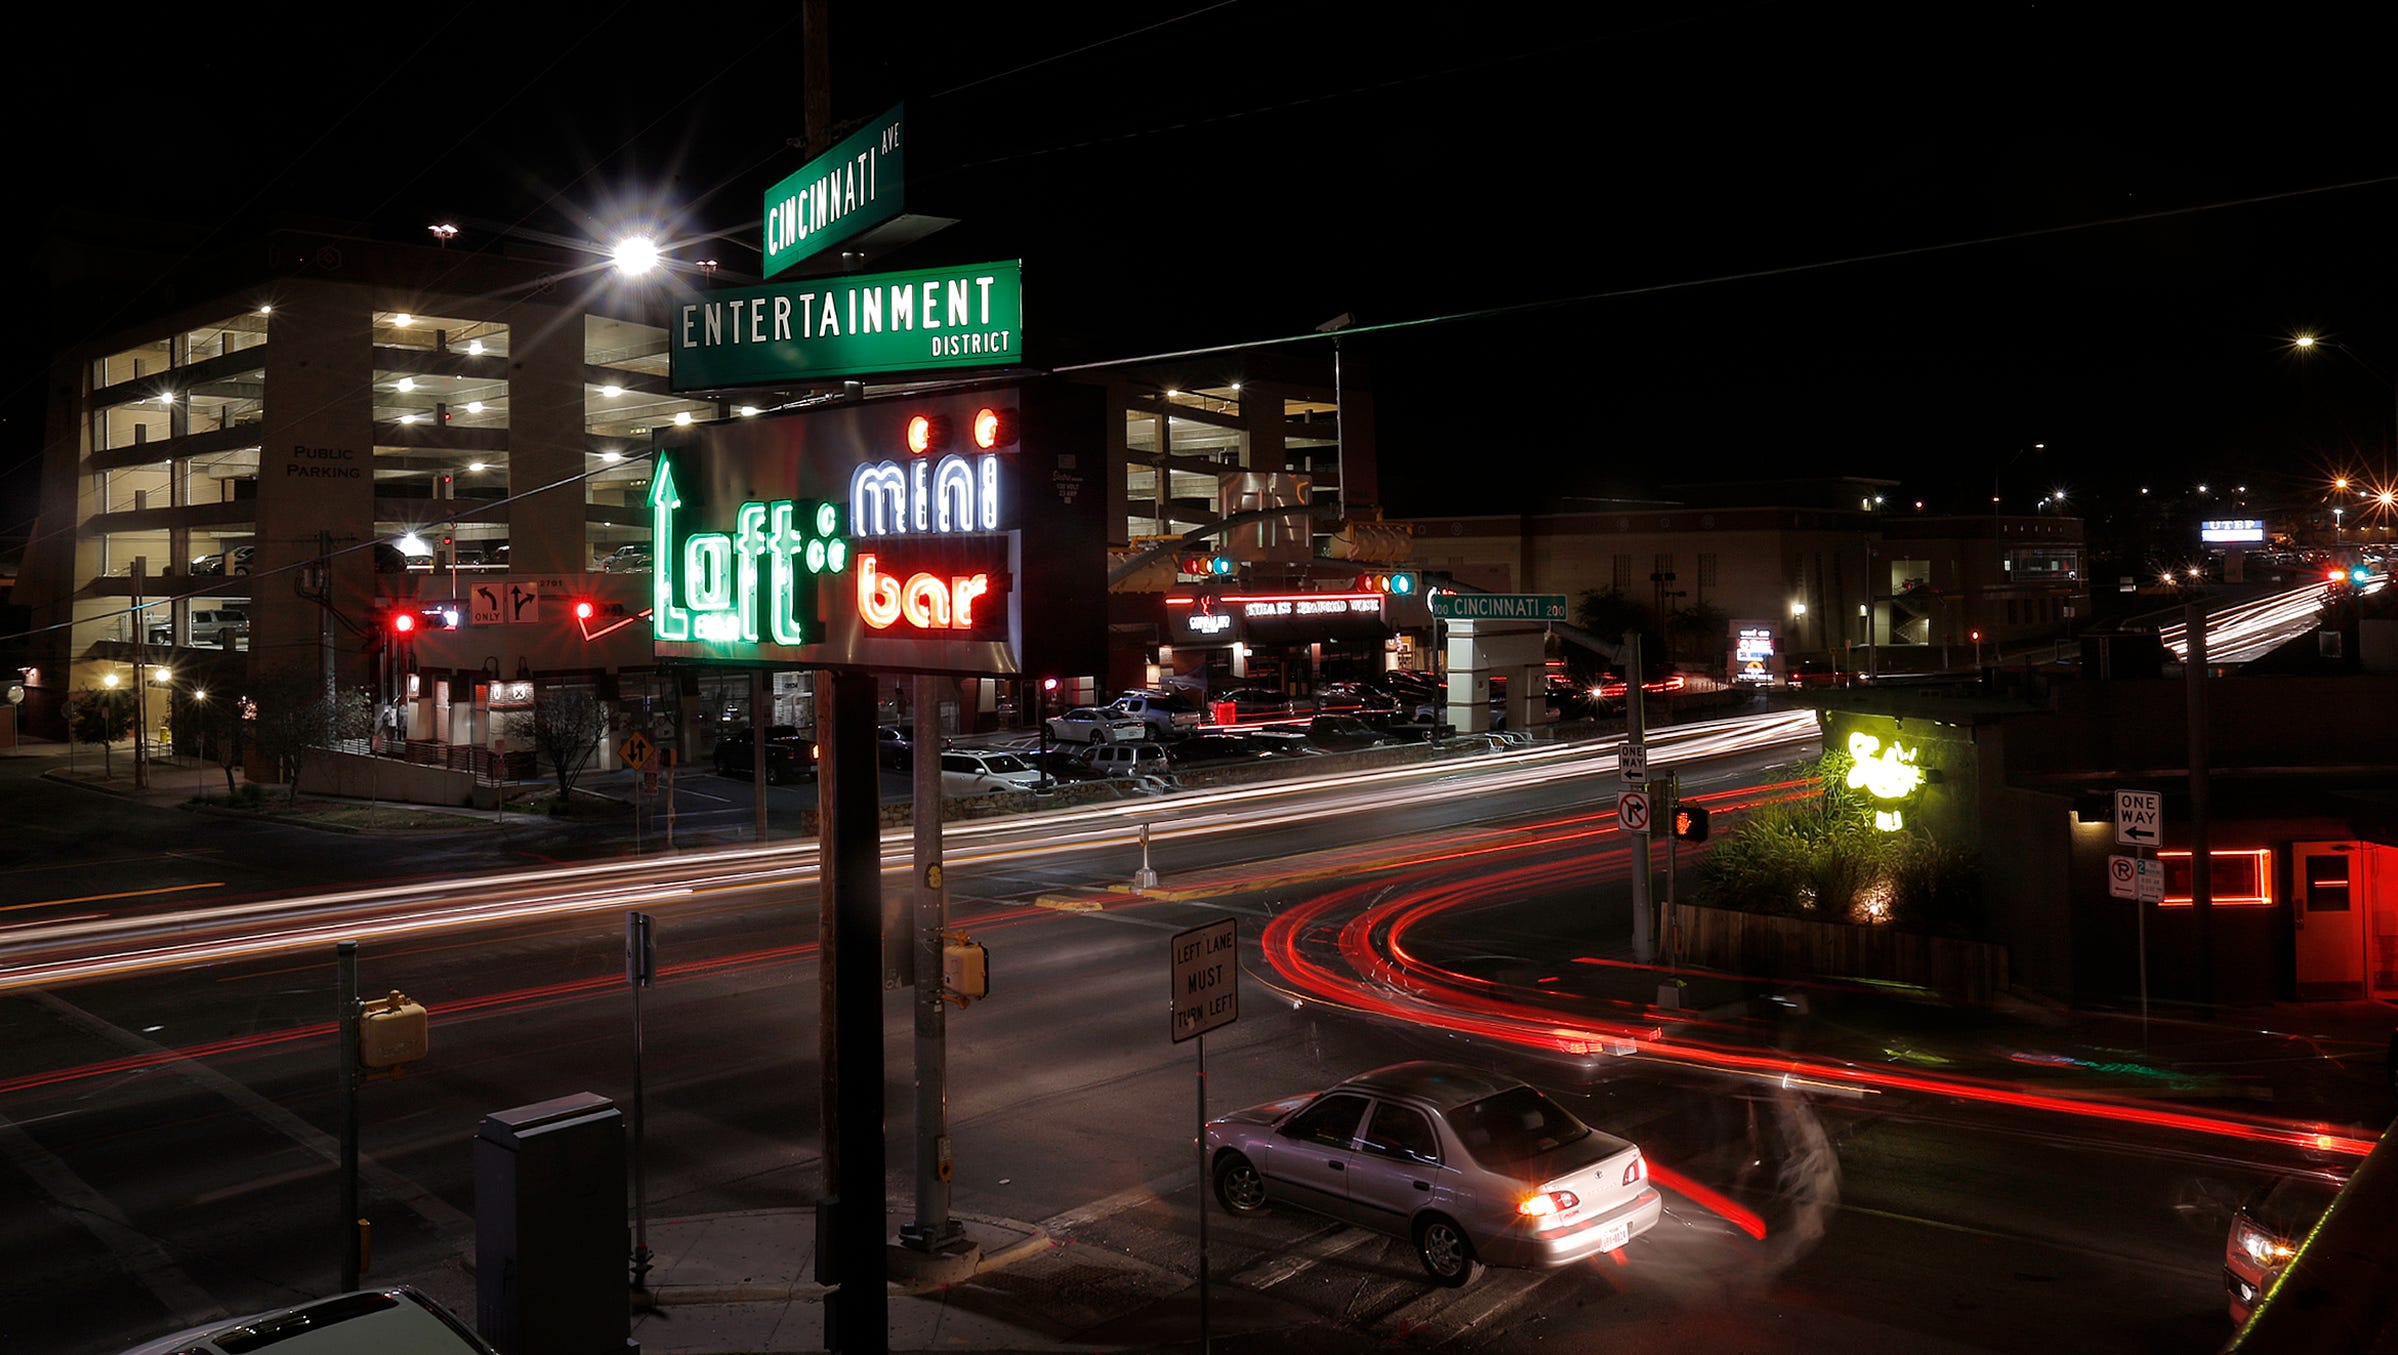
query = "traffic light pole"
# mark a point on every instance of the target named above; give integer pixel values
(932, 1230)
(850, 1226)
(1644, 936)
(1669, 813)
(345, 999)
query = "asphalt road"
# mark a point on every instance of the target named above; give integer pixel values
(170, 1136)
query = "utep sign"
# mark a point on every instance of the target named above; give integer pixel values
(812, 329)
(884, 536)
(849, 189)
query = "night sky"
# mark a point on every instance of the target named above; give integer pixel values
(1692, 243)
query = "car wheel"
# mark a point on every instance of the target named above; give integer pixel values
(1238, 1186)
(1448, 1258)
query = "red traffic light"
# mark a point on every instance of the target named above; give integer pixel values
(585, 609)
(403, 623)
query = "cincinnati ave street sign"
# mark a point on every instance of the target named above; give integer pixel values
(844, 192)
(1497, 606)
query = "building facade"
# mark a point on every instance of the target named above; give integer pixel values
(242, 488)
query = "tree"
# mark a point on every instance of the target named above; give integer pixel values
(220, 724)
(1607, 612)
(565, 727)
(101, 716)
(1699, 633)
(291, 714)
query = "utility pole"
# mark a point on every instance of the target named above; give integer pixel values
(851, 1259)
(2202, 882)
(345, 999)
(1644, 937)
(932, 1230)
(141, 674)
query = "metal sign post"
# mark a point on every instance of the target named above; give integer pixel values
(1206, 994)
(640, 969)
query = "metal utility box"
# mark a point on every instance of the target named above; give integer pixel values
(551, 1243)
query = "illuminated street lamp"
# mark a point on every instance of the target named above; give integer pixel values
(636, 255)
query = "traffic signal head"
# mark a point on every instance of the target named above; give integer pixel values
(1690, 822)
(402, 624)
(1399, 584)
(1206, 566)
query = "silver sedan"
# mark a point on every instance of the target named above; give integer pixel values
(1470, 1166)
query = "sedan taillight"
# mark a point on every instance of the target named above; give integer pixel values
(1547, 1203)
(1636, 1171)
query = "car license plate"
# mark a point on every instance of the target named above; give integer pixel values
(1614, 1235)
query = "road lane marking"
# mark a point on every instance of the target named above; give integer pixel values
(136, 1251)
(450, 1223)
(102, 898)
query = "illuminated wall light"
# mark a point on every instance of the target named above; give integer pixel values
(407, 418)
(404, 384)
(747, 411)
(474, 406)
(611, 456)
(402, 320)
(475, 347)
(2252, 866)
(682, 418)
(611, 391)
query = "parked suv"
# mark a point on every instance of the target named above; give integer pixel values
(968, 771)
(1166, 715)
(790, 755)
(210, 629)
(1127, 759)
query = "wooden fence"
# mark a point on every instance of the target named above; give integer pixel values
(1763, 945)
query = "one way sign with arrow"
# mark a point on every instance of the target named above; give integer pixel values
(2139, 815)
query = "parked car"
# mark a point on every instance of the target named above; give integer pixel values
(2265, 1234)
(210, 629)
(1096, 724)
(968, 771)
(1129, 759)
(1166, 714)
(394, 1319)
(895, 747)
(628, 559)
(790, 755)
(1248, 702)
(1346, 731)
(1472, 1167)
(1354, 697)
(215, 562)
(1216, 750)
(1063, 764)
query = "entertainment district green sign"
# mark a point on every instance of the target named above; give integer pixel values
(971, 315)
(1497, 606)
